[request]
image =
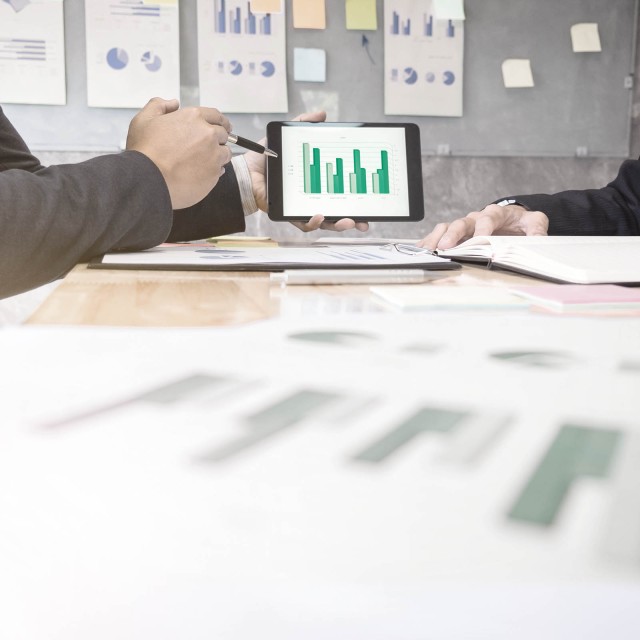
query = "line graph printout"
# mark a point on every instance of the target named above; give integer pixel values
(133, 52)
(241, 58)
(363, 171)
(423, 60)
(32, 52)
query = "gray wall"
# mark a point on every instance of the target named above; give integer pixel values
(455, 185)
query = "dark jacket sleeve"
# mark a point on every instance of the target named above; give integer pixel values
(52, 218)
(612, 210)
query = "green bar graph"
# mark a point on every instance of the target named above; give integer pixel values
(359, 174)
(576, 452)
(330, 179)
(334, 173)
(338, 179)
(427, 420)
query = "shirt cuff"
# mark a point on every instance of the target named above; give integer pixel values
(249, 204)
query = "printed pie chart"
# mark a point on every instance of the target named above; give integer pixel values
(448, 77)
(410, 75)
(431, 77)
(117, 58)
(151, 61)
(236, 68)
(268, 69)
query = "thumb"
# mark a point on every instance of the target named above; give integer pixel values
(159, 107)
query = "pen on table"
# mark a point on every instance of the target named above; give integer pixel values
(352, 276)
(249, 144)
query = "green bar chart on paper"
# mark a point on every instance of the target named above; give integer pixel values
(318, 164)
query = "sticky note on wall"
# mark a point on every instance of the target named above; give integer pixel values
(309, 14)
(585, 37)
(266, 6)
(448, 9)
(361, 14)
(309, 65)
(516, 73)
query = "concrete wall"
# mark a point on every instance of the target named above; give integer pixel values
(453, 186)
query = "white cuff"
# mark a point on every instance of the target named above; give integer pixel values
(249, 204)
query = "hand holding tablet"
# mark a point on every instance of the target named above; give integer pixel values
(361, 171)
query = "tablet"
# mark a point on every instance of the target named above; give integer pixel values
(360, 170)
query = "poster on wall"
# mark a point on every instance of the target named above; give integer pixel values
(32, 52)
(241, 58)
(423, 60)
(133, 52)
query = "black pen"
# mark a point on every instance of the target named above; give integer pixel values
(252, 146)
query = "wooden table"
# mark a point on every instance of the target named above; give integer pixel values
(204, 298)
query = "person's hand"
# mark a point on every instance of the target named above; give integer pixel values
(510, 220)
(257, 162)
(187, 145)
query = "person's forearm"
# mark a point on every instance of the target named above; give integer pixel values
(612, 210)
(14, 153)
(62, 215)
(218, 214)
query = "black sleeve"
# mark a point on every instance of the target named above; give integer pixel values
(218, 214)
(610, 211)
(52, 218)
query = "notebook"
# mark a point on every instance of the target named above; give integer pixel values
(572, 259)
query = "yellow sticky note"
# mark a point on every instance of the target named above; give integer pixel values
(361, 14)
(309, 14)
(516, 73)
(585, 37)
(266, 6)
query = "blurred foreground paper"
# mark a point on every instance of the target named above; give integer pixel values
(585, 37)
(516, 73)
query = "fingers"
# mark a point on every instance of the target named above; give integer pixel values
(339, 225)
(159, 107)
(213, 116)
(457, 231)
(314, 116)
(431, 241)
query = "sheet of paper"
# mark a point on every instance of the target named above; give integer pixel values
(242, 62)
(309, 65)
(423, 60)
(516, 73)
(200, 257)
(133, 52)
(286, 460)
(309, 14)
(585, 37)
(448, 9)
(266, 6)
(411, 297)
(361, 15)
(32, 68)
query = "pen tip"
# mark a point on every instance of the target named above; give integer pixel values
(273, 154)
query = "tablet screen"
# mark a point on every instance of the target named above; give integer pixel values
(363, 171)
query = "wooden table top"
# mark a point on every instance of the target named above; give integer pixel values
(207, 298)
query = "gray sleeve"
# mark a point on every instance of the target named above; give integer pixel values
(53, 218)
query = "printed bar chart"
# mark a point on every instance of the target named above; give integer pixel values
(229, 20)
(399, 27)
(334, 173)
